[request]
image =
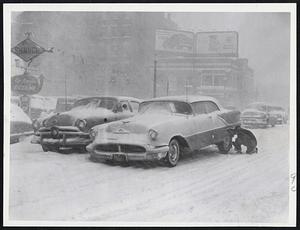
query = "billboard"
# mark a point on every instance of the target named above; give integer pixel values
(217, 44)
(174, 41)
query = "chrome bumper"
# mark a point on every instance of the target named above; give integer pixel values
(151, 154)
(254, 121)
(69, 138)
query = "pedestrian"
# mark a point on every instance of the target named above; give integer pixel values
(246, 138)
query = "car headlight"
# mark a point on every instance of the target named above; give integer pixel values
(81, 124)
(93, 134)
(152, 134)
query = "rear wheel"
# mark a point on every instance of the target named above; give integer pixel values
(173, 154)
(45, 148)
(225, 145)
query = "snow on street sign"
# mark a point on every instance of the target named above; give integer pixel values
(174, 41)
(28, 49)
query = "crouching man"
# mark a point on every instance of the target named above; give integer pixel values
(246, 138)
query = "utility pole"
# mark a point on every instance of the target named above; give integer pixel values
(168, 87)
(154, 77)
(65, 91)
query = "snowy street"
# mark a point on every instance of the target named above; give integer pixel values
(205, 187)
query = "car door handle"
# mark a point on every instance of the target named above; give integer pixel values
(210, 116)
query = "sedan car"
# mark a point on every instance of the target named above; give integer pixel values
(163, 128)
(20, 124)
(258, 114)
(279, 113)
(71, 128)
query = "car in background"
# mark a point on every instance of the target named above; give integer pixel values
(163, 128)
(20, 124)
(70, 129)
(279, 113)
(62, 104)
(258, 114)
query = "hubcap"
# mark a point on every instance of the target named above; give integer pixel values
(226, 142)
(173, 154)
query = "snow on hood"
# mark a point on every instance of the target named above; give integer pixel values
(142, 122)
(18, 115)
(68, 118)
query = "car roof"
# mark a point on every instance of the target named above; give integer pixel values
(184, 98)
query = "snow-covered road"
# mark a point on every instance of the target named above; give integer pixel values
(204, 187)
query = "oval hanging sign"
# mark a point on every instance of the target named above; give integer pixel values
(26, 84)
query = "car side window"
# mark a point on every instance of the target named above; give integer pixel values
(211, 107)
(199, 107)
(125, 106)
(134, 106)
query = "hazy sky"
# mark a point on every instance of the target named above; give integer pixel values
(264, 38)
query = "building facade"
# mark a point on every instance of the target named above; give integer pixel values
(230, 80)
(94, 53)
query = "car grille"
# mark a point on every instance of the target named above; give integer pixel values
(120, 148)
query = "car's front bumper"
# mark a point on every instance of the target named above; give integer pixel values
(249, 121)
(151, 154)
(68, 137)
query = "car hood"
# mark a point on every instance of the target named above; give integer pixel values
(141, 123)
(68, 118)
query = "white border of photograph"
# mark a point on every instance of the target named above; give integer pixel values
(281, 7)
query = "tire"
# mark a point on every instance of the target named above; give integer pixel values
(225, 145)
(80, 149)
(173, 153)
(45, 148)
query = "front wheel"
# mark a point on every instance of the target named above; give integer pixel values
(173, 154)
(225, 145)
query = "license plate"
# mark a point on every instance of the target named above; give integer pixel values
(119, 157)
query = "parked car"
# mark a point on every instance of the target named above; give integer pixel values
(163, 128)
(71, 128)
(258, 114)
(280, 114)
(20, 124)
(62, 104)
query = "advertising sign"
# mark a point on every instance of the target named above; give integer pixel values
(174, 41)
(217, 44)
(27, 49)
(26, 84)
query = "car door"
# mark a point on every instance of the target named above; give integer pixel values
(218, 128)
(203, 125)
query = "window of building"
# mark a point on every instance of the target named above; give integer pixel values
(219, 80)
(207, 80)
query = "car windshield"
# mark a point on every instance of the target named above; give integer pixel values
(165, 107)
(260, 107)
(107, 103)
(64, 105)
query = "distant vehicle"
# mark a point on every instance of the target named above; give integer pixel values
(163, 128)
(71, 128)
(258, 114)
(279, 113)
(20, 124)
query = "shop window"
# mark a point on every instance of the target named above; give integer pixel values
(207, 80)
